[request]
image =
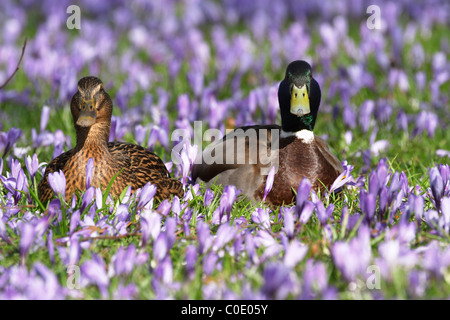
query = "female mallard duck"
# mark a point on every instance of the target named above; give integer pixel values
(91, 110)
(292, 149)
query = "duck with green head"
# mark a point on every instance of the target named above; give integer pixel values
(297, 152)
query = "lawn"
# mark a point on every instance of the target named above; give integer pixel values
(167, 64)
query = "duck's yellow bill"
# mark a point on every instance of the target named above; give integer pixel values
(300, 101)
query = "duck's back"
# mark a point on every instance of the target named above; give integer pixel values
(145, 166)
(298, 160)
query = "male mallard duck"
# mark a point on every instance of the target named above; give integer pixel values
(91, 110)
(292, 148)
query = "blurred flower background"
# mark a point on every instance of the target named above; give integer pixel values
(384, 112)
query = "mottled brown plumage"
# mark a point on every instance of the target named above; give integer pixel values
(91, 109)
(297, 151)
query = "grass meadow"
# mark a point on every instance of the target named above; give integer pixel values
(384, 112)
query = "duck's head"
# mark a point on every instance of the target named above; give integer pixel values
(299, 97)
(91, 104)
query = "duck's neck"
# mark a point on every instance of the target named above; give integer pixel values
(95, 137)
(292, 123)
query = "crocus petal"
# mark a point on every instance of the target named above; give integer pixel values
(295, 253)
(57, 182)
(306, 213)
(303, 193)
(89, 172)
(269, 182)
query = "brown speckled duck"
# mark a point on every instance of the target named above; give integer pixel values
(297, 152)
(91, 110)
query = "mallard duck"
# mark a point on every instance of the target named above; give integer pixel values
(91, 108)
(293, 149)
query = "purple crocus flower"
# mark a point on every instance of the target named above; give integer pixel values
(315, 278)
(170, 228)
(54, 209)
(288, 219)
(439, 152)
(11, 138)
(269, 182)
(208, 197)
(305, 214)
(210, 263)
(343, 178)
(392, 255)
(57, 182)
(437, 186)
(146, 195)
(123, 212)
(278, 282)
(349, 116)
(32, 165)
(125, 292)
(3, 232)
(51, 246)
(384, 111)
(226, 203)
(164, 207)
(125, 259)
(417, 55)
(383, 200)
(261, 216)
(140, 133)
(26, 239)
(322, 214)
(176, 206)
(295, 253)
(43, 284)
(225, 234)
(365, 115)
(444, 170)
(196, 81)
(416, 205)
(89, 172)
(418, 281)
(45, 114)
(152, 138)
(74, 221)
(98, 198)
(425, 120)
(303, 193)
(445, 209)
(368, 204)
(74, 250)
(150, 225)
(164, 271)
(205, 239)
(94, 271)
(402, 120)
(160, 248)
(352, 258)
(87, 199)
(15, 184)
(185, 160)
(191, 260)
(58, 150)
(434, 221)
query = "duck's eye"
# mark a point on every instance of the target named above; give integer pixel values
(303, 94)
(296, 95)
